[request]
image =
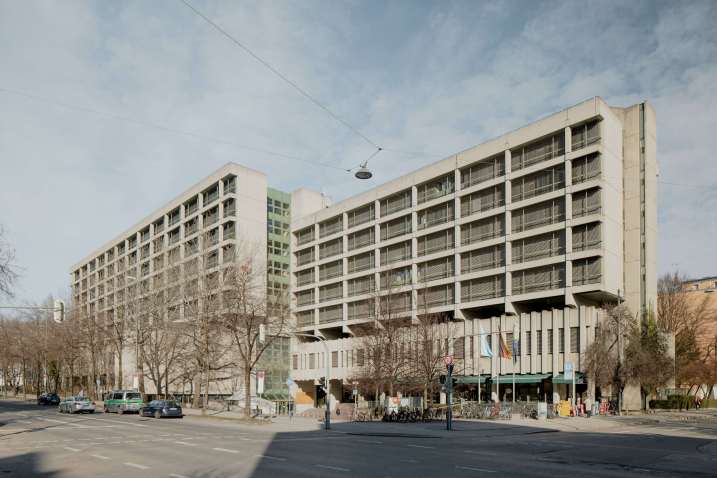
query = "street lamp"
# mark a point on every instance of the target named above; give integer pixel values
(619, 355)
(136, 320)
(516, 331)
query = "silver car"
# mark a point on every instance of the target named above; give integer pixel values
(77, 405)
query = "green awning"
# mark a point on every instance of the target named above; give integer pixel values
(473, 379)
(560, 378)
(527, 378)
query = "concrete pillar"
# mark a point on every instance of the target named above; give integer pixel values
(414, 196)
(457, 180)
(377, 208)
(568, 138)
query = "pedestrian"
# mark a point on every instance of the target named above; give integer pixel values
(82, 393)
(698, 402)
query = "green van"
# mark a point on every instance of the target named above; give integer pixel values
(122, 401)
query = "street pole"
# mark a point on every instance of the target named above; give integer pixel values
(448, 381)
(46, 377)
(516, 331)
(136, 321)
(619, 356)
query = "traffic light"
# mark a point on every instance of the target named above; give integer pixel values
(454, 382)
(450, 369)
(262, 333)
(59, 311)
(322, 382)
(442, 378)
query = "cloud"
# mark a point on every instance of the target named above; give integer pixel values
(424, 77)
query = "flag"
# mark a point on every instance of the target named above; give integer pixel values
(515, 352)
(504, 351)
(485, 350)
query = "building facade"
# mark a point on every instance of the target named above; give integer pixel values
(536, 228)
(234, 203)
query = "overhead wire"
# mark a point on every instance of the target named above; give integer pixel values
(296, 87)
(173, 130)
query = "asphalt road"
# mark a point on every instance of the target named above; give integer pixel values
(40, 442)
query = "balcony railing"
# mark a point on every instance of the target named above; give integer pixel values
(230, 212)
(174, 220)
(211, 198)
(191, 209)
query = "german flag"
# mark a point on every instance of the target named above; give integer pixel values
(504, 350)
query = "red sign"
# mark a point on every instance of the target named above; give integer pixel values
(448, 360)
(261, 374)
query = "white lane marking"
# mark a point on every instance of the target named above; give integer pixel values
(199, 438)
(545, 459)
(166, 435)
(419, 446)
(412, 461)
(640, 469)
(116, 437)
(475, 469)
(159, 439)
(69, 439)
(113, 442)
(98, 443)
(481, 452)
(101, 457)
(133, 436)
(42, 446)
(224, 449)
(183, 443)
(370, 441)
(71, 449)
(142, 467)
(271, 457)
(332, 468)
(174, 475)
(24, 421)
(84, 439)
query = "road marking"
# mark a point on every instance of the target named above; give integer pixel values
(419, 446)
(166, 435)
(412, 461)
(116, 437)
(481, 452)
(640, 469)
(545, 459)
(113, 442)
(23, 448)
(101, 457)
(183, 443)
(83, 439)
(174, 475)
(98, 443)
(69, 439)
(370, 441)
(271, 457)
(223, 449)
(71, 449)
(474, 469)
(44, 446)
(133, 436)
(142, 467)
(332, 468)
(159, 439)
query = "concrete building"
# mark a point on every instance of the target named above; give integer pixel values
(233, 201)
(536, 228)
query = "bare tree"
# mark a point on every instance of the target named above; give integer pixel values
(9, 270)
(248, 306)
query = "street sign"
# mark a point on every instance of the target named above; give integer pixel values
(355, 392)
(354, 383)
(260, 383)
(289, 382)
(98, 381)
(568, 375)
(261, 374)
(448, 360)
(568, 366)
(135, 380)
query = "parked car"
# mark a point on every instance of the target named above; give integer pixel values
(123, 401)
(48, 399)
(77, 405)
(161, 409)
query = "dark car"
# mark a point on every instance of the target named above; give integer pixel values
(48, 399)
(161, 409)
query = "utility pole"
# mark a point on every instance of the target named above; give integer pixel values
(619, 356)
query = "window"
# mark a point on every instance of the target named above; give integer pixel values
(528, 342)
(539, 183)
(538, 279)
(144, 251)
(537, 152)
(101, 260)
(586, 237)
(362, 238)
(230, 208)
(144, 234)
(436, 269)
(586, 168)
(550, 341)
(574, 340)
(483, 230)
(131, 242)
(229, 230)
(334, 359)
(190, 227)
(395, 253)
(395, 228)
(190, 207)
(585, 135)
(330, 270)
(539, 341)
(483, 259)
(586, 202)
(483, 200)
(538, 247)
(145, 269)
(538, 215)
(305, 236)
(435, 215)
(361, 285)
(561, 341)
(158, 226)
(158, 244)
(211, 195)
(211, 216)
(436, 242)
(92, 266)
(396, 202)
(175, 236)
(361, 262)
(436, 188)
(110, 255)
(230, 185)
(361, 215)
(331, 248)
(173, 217)
(490, 287)
(483, 171)
(332, 226)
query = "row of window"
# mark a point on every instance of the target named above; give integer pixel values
(190, 227)
(584, 271)
(462, 348)
(525, 156)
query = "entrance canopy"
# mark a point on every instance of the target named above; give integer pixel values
(560, 378)
(527, 378)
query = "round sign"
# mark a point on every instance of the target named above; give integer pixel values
(261, 374)
(289, 382)
(448, 360)
(395, 399)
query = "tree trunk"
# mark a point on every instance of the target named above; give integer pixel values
(197, 388)
(118, 378)
(206, 387)
(247, 389)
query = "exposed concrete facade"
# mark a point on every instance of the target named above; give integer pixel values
(555, 286)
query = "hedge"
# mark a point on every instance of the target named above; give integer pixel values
(681, 402)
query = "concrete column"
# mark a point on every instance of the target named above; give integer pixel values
(345, 306)
(544, 319)
(566, 327)
(533, 343)
(345, 245)
(414, 196)
(568, 173)
(414, 273)
(316, 295)
(316, 232)
(377, 232)
(568, 138)
(220, 188)
(316, 273)
(414, 248)
(316, 322)
(377, 208)
(344, 221)
(414, 222)
(316, 253)
(457, 180)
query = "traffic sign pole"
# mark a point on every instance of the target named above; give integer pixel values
(450, 389)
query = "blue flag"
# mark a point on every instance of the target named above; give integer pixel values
(515, 353)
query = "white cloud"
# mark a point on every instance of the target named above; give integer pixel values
(433, 78)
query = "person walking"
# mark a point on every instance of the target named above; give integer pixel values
(698, 402)
(82, 393)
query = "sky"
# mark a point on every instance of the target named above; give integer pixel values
(433, 78)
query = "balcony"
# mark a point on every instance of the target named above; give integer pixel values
(174, 220)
